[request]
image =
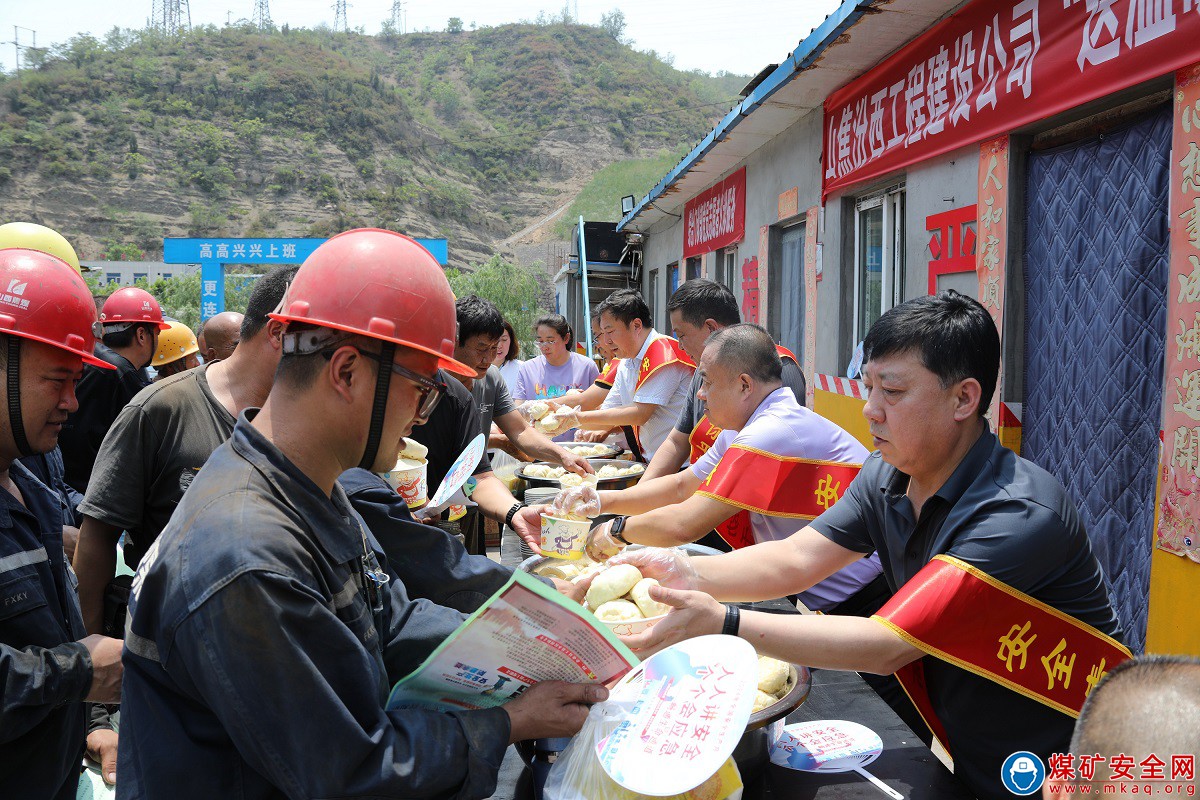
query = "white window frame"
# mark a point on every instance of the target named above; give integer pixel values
(892, 255)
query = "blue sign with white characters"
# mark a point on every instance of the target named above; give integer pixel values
(212, 254)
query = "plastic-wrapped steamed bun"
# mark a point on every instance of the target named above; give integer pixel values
(612, 584)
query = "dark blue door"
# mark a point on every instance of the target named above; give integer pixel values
(1095, 319)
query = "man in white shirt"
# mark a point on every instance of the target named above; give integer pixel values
(653, 380)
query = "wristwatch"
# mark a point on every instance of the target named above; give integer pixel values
(615, 529)
(512, 512)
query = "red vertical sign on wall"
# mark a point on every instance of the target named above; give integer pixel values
(1179, 494)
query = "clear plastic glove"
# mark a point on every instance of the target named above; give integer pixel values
(592, 437)
(533, 410)
(582, 501)
(601, 546)
(561, 420)
(671, 568)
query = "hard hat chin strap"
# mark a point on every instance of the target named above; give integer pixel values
(383, 380)
(13, 374)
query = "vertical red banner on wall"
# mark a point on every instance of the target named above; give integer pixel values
(991, 251)
(1179, 494)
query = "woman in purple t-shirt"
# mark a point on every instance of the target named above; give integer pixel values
(557, 370)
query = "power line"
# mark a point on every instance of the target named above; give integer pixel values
(584, 124)
(339, 16)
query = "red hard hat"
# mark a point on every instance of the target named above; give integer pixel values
(42, 298)
(379, 284)
(132, 305)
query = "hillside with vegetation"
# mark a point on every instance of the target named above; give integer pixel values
(468, 135)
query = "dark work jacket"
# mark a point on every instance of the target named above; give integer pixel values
(44, 671)
(431, 563)
(259, 657)
(48, 468)
(102, 393)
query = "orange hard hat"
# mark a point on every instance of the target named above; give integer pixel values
(44, 299)
(378, 284)
(132, 305)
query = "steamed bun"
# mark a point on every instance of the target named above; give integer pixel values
(611, 584)
(772, 675)
(617, 611)
(641, 596)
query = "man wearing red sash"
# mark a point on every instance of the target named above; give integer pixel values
(1001, 623)
(698, 309)
(652, 380)
(776, 460)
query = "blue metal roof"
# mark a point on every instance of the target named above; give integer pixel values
(809, 50)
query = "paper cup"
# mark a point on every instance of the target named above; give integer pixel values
(411, 482)
(564, 538)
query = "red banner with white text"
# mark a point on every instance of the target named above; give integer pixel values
(993, 67)
(716, 217)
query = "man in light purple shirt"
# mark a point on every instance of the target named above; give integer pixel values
(742, 384)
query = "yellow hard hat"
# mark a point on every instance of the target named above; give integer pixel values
(31, 236)
(176, 342)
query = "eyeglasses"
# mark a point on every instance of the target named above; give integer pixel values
(431, 390)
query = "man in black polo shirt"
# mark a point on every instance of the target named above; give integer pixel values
(975, 541)
(131, 320)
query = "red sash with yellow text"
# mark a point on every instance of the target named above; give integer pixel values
(776, 486)
(960, 614)
(662, 352)
(609, 375)
(785, 353)
(736, 530)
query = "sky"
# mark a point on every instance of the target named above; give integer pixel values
(700, 34)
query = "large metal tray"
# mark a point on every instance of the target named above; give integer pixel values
(622, 482)
(610, 450)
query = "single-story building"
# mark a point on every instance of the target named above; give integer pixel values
(1043, 157)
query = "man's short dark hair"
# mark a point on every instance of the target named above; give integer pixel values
(265, 297)
(697, 300)
(953, 333)
(116, 340)
(746, 349)
(478, 317)
(626, 305)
